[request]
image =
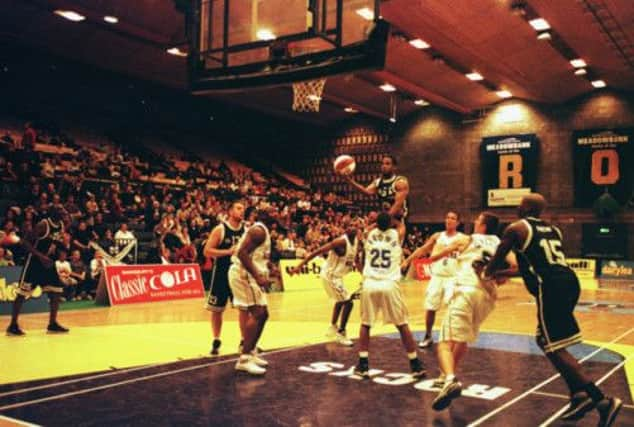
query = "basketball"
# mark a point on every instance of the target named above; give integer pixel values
(9, 239)
(344, 165)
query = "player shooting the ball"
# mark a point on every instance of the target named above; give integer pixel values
(391, 190)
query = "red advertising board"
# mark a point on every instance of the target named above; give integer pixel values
(130, 284)
(423, 268)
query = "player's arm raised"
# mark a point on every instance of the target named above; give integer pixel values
(401, 188)
(368, 190)
(212, 243)
(421, 250)
(254, 238)
(337, 243)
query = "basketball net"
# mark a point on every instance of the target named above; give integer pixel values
(306, 94)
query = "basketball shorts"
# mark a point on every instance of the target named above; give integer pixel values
(35, 274)
(335, 290)
(468, 308)
(219, 290)
(382, 298)
(557, 327)
(439, 291)
(246, 292)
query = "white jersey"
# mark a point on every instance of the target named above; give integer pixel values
(338, 266)
(383, 255)
(260, 256)
(479, 244)
(448, 265)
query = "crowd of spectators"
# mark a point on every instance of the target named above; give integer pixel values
(113, 195)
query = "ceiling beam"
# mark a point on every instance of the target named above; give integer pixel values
(341, 102)
(413, 89)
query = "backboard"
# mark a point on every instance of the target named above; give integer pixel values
(236, 44)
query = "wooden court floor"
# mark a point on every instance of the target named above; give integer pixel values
(112, 350)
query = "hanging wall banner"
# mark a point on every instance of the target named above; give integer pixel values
(603, 165)
(509, 168)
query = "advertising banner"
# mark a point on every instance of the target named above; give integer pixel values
(422, 267)
(130, 284)
(309, 278)
(9, 279)
(584, 268)
(509, 168)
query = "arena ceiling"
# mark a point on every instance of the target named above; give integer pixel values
(490, 37)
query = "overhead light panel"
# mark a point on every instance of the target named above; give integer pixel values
(544, 35)
(176, 52)
(70, 15)
(366, 13)
(350, 110)
(265, 34)
(387, 87)
(474, 76)
(539, 24)
(580, 72)
(421, 102)
(393, 119)
(504, 94)
(578, 63)
(313, 98)
(598, 83)
(111, 19)
(419, 44)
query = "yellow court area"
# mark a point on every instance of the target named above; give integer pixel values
(128, 336)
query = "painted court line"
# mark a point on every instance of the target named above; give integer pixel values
(8, 421)
(78, 380)
(540, 385)
(557, 414)
(134, 380)
(567, 398)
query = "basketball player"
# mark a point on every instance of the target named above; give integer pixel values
(382, 294)
(39, 270)
(538, 246)
(471, 304)
(342, 253)
(391, 190)
(221, 246)
(248, 277)
(441, 284)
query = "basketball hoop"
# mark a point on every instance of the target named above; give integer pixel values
(306, 94)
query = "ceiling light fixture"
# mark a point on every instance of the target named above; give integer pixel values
(366, 13)
(393, 119)
(313, 98)
(421, 102)
(544, 35)
(474, 76)
(176, 52)
(70, 15)
(265, 34)
(504, 94)
(539, 24)
(111, 19)
(350, 110)
(386, 87)
(578, 63)
(419, 44)
(580, 72)
(598, 83)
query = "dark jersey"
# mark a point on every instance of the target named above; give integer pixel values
(230, 238)
(53, 235)
(386, 192)
(541, 257)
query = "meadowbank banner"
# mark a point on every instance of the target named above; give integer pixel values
(603, 164)
(309, 278)
(509, 168)
(130, 284)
